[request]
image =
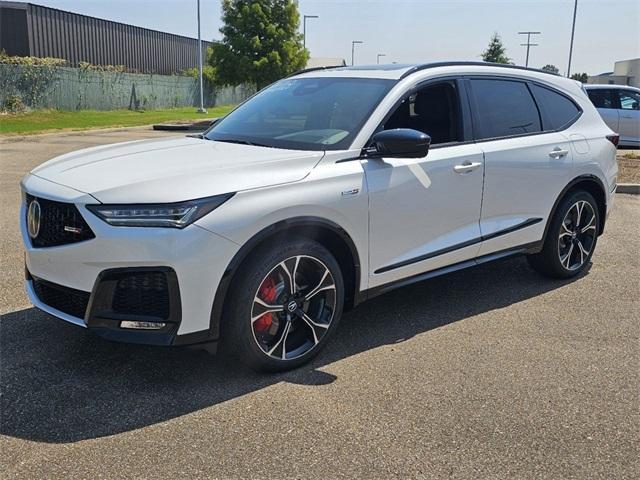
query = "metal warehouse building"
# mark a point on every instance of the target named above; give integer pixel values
(33, 30)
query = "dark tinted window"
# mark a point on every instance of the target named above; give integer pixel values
(601, 98)
(505, 108)
(433, 110)
(559, 110)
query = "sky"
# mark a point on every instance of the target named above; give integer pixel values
(408, 31)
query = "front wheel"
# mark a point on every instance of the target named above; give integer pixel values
(571, 238)
(285, 304)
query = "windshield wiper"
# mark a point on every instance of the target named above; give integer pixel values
(242, 142)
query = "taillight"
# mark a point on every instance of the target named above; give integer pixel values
(614, 138)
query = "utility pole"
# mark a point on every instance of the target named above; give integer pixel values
(528, 44)
(573, 31)
(353, 47)
(201, 109)
(304, 28)
(378, 57)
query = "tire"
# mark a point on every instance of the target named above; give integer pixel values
(568, 246)
(269, 328)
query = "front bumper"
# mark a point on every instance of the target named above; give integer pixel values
(194, 260)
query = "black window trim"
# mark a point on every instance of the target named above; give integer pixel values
(527, 82)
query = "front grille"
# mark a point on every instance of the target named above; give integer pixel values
(54, 217)
(68, 300)
(142, 293)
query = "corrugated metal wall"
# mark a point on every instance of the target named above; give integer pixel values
(79, 38)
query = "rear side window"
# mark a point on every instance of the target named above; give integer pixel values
(504, 108)
(558, 110)
(601, 98)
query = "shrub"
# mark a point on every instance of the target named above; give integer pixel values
(13, 104)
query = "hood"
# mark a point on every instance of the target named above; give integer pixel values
(173, 170)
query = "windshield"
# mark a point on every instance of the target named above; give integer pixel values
(304, 114)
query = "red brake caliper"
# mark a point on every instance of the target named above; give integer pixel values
(268, 294)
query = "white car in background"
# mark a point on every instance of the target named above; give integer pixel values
(619, 106)
(323, 190)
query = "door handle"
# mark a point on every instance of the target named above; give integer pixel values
(466, 167)
(625, 116)
(558, 153)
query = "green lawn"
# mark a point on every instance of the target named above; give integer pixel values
(46, 120)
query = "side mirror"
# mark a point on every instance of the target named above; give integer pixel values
(400, 142)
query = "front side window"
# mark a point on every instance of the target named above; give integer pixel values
(601, 97)
(629, 100)
(504, 108)
(433, 110)
(305, 113)
(559, 110)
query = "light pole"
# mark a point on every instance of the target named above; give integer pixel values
(201, 109)
(528, 44)
(353, 47)
(304, 28)
(573, 31)
(378, 57)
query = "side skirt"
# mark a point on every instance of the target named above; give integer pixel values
(514, 251)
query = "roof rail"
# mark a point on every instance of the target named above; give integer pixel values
(312, 69)
(463, 63)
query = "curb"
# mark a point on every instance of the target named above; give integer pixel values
(630, 188)
(198, 126)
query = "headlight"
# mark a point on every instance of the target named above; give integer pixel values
(174, 215)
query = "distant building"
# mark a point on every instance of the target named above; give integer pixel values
(32, 30)
(625, 72)
(317, 62)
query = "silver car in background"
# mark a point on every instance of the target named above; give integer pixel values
(619, 106)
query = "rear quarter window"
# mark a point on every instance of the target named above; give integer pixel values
(558, 110)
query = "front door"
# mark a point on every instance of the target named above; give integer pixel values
(424, 212)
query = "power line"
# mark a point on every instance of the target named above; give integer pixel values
(528, 44)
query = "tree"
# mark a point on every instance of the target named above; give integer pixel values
(581, 77)
(496, 51)
(260, 42)
(551, 68)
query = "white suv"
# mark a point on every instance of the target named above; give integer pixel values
(323, 190)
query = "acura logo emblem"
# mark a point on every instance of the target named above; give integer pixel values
(292, 306)
(33, 219)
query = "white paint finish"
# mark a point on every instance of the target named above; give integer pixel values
(418, 206)
(176, 169)
(522, 181)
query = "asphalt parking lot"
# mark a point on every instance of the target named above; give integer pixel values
(492, 372)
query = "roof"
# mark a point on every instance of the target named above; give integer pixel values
(609, 86)
(399, 71)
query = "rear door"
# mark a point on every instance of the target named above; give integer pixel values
(526, 165)
(606, 101)
(629, 115)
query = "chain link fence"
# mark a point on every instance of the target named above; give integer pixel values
(65, 88)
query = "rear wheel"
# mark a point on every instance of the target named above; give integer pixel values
(284, 305)
(571, 238)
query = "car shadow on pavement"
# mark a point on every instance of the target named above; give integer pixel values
(62, 384)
